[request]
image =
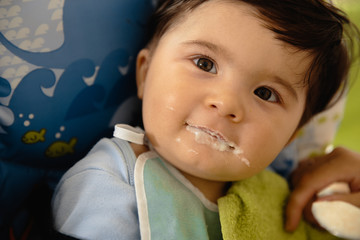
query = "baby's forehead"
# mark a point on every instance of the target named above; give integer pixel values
(231, 31)
(241, 43)
(218, 22)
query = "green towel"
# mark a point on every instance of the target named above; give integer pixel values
(254, 209)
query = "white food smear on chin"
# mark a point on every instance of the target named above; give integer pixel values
(178, 140)
(216, 142)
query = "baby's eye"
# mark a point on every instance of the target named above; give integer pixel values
(267, 94)
(205, 64)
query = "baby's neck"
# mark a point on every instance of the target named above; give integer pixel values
(212, 190)
(138, 149)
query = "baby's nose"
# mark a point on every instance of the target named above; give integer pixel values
(226, 106)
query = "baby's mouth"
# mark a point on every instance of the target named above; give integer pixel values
(216, 141)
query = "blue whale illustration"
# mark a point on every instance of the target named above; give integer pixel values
(92, 29)
(89, 78)
(101, 40)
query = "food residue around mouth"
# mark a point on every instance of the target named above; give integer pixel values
(216, 141)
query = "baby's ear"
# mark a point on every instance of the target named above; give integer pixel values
(142, 66)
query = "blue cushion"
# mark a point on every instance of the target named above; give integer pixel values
(66, 76)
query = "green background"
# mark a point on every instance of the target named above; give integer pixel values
(349, 130)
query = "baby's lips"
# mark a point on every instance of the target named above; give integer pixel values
(213, 133)
(217, 141)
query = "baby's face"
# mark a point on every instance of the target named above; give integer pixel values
(221, 96)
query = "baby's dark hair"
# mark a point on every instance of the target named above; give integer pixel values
(315, 26)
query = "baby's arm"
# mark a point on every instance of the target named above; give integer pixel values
(314, 174)
(96, 198)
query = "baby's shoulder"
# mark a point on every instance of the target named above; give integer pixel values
(112, 157)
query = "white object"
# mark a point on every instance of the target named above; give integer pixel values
(340, 218)
(336, 187)
(130, 134)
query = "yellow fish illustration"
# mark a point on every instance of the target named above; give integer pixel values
(32, 137)
(61, 148)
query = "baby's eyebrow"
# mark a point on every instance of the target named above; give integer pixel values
(287, 85)
(209, 45)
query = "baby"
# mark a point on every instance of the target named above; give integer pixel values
(225, 85)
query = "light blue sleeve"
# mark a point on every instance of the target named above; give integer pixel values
(96, 198)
